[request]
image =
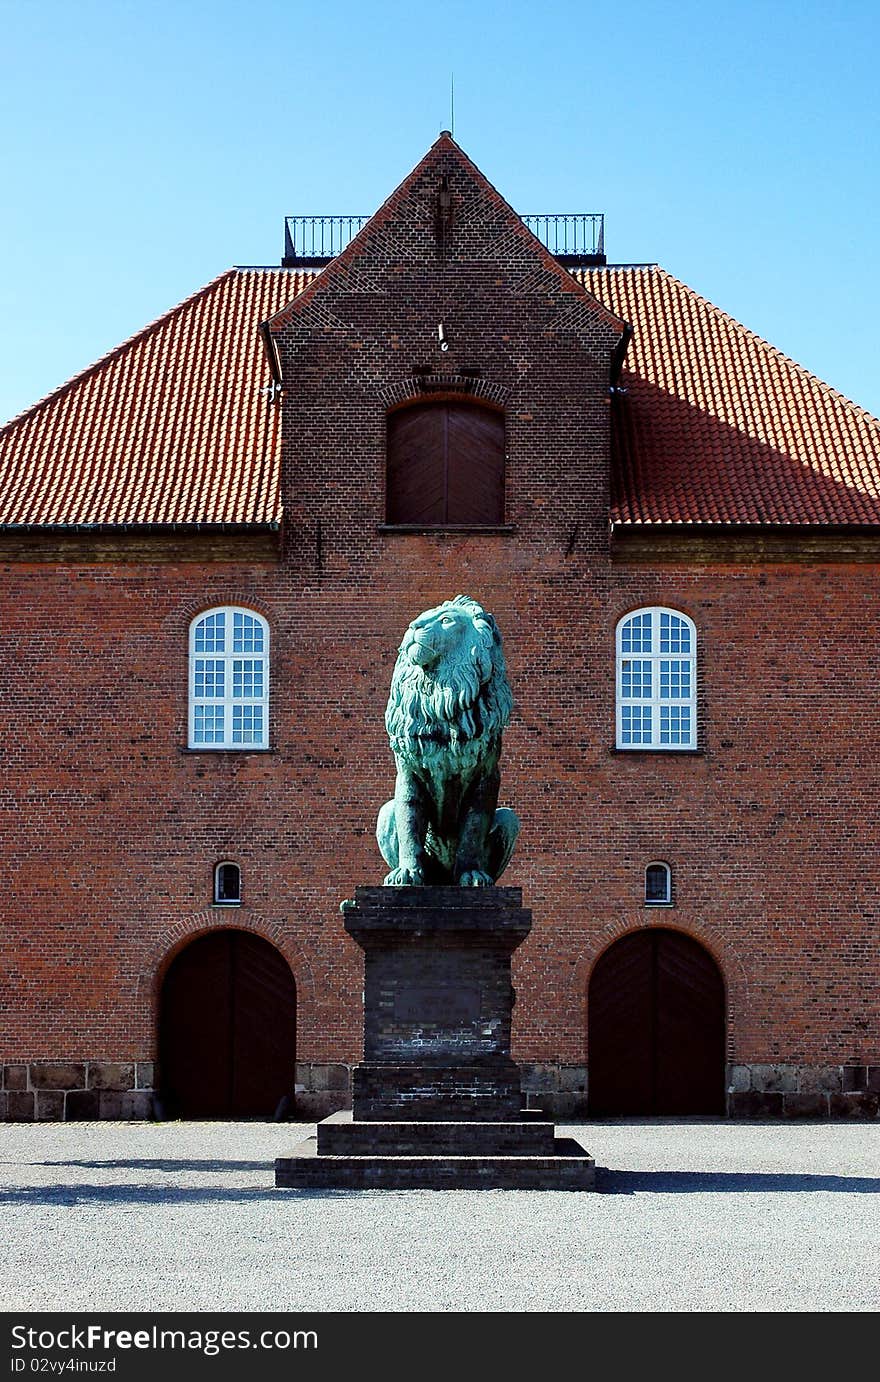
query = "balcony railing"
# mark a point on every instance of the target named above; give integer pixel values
(574, 238)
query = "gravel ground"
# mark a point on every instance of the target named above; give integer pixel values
(691, 1216)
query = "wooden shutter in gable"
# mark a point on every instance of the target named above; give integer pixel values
(475, 465)
(445, 465)
(417, 465)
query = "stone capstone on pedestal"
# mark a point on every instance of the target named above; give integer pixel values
(436, 1100)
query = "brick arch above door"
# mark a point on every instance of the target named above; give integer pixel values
(719, 946)
(181, 930)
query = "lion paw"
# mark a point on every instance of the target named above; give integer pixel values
(475, 878)
(405, 878)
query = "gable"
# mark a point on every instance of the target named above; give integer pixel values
(179, 426)
(443, 231)
(445, 289)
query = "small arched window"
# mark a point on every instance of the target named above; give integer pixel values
(445, 465)
(656, 680)
(229, 680)
(658, 885)
(227, 885)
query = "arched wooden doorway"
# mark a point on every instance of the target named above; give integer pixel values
(227, 1031)
(656, 1027)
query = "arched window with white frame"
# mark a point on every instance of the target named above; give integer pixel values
(229, 680)
(658, 885)
(227, 885)
(656, 680)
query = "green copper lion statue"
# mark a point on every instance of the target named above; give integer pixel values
(450, 701)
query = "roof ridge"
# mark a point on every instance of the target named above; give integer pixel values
(774, 350)
(275, 269)
(116, 350)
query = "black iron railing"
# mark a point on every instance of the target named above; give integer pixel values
(312, 240)
(573, 237)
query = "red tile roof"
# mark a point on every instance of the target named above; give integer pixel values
(170, 427)
(715, 426)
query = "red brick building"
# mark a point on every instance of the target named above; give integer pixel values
(212, 541)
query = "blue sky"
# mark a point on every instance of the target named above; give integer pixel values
(144, 148)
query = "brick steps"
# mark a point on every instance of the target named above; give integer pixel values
(568, 1168)
(339, 1135)
(352, 1155)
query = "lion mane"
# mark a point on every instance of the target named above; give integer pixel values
(449, 703)
(463, 701)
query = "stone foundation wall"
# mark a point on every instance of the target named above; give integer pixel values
(803, 1091)
(753, 1091)
(560, 1091)
(44, 1091)
(68, 1091)
(321, 1089)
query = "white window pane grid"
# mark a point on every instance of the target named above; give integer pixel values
(635, 680)
(228, 694)
(675, 680)
(211, 634)
(247, 724)
(656, 693)
(675, 724)
(208, 726)
(675, 635)
(635, 636)
(247, 679)
(636, 724)
(247, 634)
(210, 679)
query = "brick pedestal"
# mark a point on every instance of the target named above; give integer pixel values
(436, 1100)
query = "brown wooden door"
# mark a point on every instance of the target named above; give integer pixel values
(445, 464)
(656, 1028)
(227, 1028)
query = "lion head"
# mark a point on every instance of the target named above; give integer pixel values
(450, 684)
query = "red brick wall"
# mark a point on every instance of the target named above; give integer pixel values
(112, 827)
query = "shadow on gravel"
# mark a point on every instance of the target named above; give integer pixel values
(136, 1194)
(158, 1164)
(727, 1182)
(608, 1182)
